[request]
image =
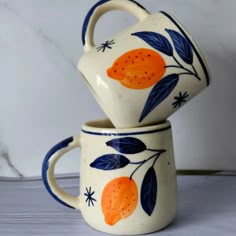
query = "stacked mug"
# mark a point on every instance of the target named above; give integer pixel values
(139, 77)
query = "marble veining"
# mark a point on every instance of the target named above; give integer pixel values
(50, 41)
(5, 161)
(6, 6)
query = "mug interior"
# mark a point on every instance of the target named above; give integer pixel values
(100, 124)
(106, 126)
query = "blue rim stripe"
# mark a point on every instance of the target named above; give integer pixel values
(194, 48)
(45, 166)
(127, 134)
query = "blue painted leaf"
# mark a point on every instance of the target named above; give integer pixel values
(127, 145)
(182, 46)
(149, 191)
(110, 162)
(159, 93)
(157, 41)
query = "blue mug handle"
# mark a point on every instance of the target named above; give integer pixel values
(48, 176)
(101, 8)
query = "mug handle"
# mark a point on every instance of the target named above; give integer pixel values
(101, 8)
(48, 176)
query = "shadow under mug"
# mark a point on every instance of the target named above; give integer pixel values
(145, 73)
(127, 177)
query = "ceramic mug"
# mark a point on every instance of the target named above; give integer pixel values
(145, 73)
(127, 177)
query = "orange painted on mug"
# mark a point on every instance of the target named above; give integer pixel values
(119, 199)
(138, 69)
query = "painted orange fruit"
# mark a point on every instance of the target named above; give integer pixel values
(119, 199)
(138, 69)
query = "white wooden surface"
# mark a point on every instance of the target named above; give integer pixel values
(44, 98)
(207, 206)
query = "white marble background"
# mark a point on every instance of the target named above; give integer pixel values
(43, 98)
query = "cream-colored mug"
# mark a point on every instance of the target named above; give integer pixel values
(127, 177)
(145, 73)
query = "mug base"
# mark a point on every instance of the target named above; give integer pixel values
(125, 232)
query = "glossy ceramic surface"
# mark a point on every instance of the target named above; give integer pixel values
(144, 74)
(128, 177)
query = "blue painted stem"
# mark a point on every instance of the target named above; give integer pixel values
(195, 71)
(140, 163)
(157, 157)
(155, 150)
(179, 65)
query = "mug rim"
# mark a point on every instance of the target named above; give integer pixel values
(104, 127)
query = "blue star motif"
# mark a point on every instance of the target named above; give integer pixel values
(90, 200)
(105, 45)
(179, 100)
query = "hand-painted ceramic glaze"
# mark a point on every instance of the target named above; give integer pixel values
(145, 73)
(128, 180)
